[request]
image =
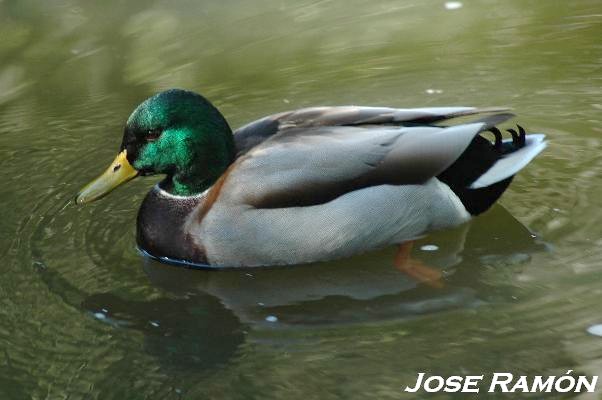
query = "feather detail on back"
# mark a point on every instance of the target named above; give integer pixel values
(313, 155)
(308, 166)
(256, 132)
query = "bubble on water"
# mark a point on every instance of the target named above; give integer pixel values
(453, 5)
(595, 330)
(271, 318)
(434, 91)
(429, 247)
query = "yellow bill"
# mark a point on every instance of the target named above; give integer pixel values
(120, 171)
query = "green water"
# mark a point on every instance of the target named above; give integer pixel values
(84, 316)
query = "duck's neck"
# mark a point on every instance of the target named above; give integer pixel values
(183, 187)
(202, 168)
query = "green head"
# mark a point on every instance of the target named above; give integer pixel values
(177, 133)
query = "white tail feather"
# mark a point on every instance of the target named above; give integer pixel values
(513, 162)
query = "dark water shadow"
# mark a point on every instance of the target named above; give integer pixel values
(193, 333)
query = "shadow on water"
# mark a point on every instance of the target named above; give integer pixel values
(190, 333)
(193, 333)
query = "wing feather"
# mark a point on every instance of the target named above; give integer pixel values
(256, 132)
(308, 166)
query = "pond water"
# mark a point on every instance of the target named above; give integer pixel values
(84, 316)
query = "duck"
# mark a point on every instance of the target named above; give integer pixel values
(308, 185)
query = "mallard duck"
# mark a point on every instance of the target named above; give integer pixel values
(309, 185)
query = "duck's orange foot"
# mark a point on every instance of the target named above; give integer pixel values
(416, 269)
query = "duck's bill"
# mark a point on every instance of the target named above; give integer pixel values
(120, 171)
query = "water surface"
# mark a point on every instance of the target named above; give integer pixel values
(83, 315)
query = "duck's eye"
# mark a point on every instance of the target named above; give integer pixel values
(153, 134)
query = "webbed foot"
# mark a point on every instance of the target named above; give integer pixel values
(416, 269)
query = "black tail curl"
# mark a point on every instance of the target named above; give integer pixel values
(518, 139)
(476, 160)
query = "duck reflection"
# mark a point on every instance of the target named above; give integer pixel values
(199, 321)
(183, 334)
(364, 288)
